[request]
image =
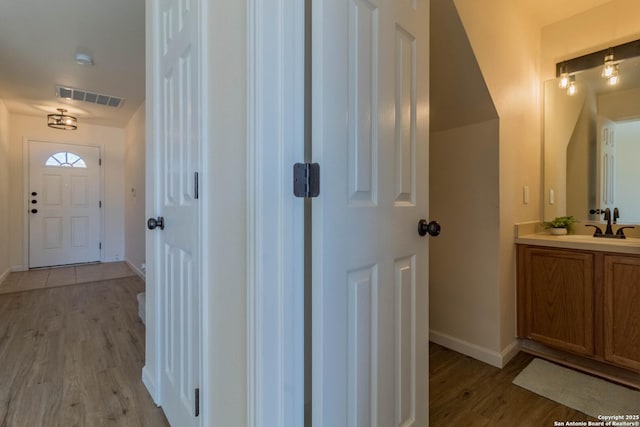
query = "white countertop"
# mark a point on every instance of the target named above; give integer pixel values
(629, 245)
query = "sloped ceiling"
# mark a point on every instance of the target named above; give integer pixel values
(458, 92)
(38, 40)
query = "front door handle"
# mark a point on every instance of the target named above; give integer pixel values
(424, 227)
(153, 223)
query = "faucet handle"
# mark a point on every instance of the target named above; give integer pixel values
(620, 231)
(598, 230)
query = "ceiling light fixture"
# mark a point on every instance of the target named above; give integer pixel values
(83, 58)
(62, 121)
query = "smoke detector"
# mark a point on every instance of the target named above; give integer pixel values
(83, 59)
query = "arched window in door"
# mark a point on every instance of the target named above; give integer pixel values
(66, 159)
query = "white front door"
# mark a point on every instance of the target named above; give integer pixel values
(175, 254)
(64, 204)
(370, 282)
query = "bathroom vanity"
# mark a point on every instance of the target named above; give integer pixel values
(579, 302)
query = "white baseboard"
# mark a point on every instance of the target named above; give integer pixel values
(111, 259)
(150, 384)
(493, 358)
(136, 270)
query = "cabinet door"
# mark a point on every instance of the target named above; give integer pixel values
(559, 288)
(622, 311)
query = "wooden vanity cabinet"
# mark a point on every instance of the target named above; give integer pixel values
(584, 303)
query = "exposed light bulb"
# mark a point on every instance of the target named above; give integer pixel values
(572, 89)
(613, 80)
(564, 81)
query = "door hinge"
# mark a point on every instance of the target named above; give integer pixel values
(99, 203)
(100, 245)
(306, 180)
(196, 185)
(197, 402)
(99, 162)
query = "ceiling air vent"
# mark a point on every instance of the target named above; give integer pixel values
(87, 96)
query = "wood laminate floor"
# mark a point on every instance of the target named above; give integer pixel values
(469, 393)
(73, 356)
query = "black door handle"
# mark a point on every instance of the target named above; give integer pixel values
(152, 223)
(424, 227)
(34, 211)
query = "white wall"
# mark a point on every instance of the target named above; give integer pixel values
(134, 191)
(4, 192)
(111, 143)
(506, 43)
(627, 171)
(464, 308)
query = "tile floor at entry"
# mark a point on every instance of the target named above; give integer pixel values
(64, 276)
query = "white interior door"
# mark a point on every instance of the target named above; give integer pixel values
(64, 204)
(370, 282)
(176, 251)
(606, 163)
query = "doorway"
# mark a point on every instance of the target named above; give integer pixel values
(64, 204)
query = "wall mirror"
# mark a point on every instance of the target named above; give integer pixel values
(592, 144)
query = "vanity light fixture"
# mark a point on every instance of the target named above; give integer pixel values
(594, 59)
(572, 89)
(609, 66)
(62, 121)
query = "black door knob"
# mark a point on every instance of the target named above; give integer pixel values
(153, 223)
(424, 227)
(34, 201)
(34, 211)
(33, 193)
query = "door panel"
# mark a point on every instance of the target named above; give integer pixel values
(65, 229)
(177, 247)
(606, 163)
(370, 136)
